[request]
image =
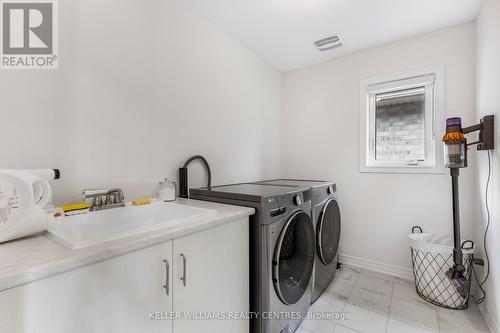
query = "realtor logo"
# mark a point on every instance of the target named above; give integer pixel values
(29, 34)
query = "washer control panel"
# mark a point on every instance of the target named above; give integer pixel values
(279, 205)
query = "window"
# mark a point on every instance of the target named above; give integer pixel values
(402, 119)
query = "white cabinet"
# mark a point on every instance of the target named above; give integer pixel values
(212, 278)
(115, 295)
(140, 283)
(118, 295)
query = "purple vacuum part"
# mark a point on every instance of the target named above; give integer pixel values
(454, 122)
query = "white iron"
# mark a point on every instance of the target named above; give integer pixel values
(23, 196)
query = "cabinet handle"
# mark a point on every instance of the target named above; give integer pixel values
(167, 274)
(183, 278)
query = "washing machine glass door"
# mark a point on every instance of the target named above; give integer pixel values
(294, 258)
(328, 232)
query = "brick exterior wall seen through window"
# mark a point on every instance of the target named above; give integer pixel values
(400, 130)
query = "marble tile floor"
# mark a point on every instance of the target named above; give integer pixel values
(378, 303)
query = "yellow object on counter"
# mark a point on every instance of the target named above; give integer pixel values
(74, 207)
(141, 202)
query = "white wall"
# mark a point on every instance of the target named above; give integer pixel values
(141, 86)
(322, 141)
(488, 102)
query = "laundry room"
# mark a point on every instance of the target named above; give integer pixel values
(184, 166)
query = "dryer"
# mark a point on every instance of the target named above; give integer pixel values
(325, 213)
(282, 247)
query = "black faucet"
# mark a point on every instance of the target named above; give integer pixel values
(183, 175)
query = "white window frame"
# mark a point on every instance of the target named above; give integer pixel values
(433, 81)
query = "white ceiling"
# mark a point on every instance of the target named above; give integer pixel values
(283, 31)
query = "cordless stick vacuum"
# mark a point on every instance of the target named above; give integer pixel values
(455, 156)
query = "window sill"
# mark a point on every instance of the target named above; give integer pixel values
(402, 170)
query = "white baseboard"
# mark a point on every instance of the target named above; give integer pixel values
(490, 321)
(396, 271)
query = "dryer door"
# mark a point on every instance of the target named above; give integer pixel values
(328, 232)
(294, 258)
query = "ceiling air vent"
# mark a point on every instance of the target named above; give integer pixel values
(329, 43)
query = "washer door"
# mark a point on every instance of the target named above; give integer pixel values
(328, 232)
(294, 258)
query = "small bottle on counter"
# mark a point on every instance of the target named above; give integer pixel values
(166, 190)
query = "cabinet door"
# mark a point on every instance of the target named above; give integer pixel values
(212, 276)
(140, 285)
(113, 296)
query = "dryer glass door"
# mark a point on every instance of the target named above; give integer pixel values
(328, 232)
(294, 258)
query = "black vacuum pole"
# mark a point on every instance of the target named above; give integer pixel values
(456, 274)
(457, 246)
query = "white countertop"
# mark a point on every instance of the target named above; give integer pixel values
(36, 257)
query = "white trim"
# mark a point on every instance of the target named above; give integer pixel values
(381, 84)
(490, 320)
(403, 169)
(392, 270)
(437, 123)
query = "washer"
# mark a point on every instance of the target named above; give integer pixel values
(282, 247)
(325, 213)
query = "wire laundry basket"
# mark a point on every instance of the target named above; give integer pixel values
(432, 256)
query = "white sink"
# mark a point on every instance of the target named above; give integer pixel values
(97, 227)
